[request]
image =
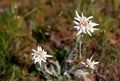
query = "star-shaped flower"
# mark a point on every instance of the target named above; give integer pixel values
(84, 25)
(89, 63)
(39, 55)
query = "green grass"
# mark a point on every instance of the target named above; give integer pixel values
(25, 27)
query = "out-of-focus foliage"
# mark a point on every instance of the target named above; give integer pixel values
(24, 24)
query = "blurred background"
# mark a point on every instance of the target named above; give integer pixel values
(25, 24)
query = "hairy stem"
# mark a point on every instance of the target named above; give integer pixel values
(80, 45)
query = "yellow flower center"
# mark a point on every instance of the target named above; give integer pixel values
(84, 23)
(89, 63)
(40, 54)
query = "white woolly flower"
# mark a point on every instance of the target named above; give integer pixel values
(84, 25)
(39, 55)
(89, 63)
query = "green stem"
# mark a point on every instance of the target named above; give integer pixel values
(80, 45)
(77, 45)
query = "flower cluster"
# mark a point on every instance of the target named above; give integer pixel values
(39, 55)
(84, 25)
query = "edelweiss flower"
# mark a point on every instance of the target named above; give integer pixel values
(84, 25)
(89, 63)
(39, 55)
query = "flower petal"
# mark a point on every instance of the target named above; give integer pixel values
(77, 14)
(91, 57)
(89, 32)
(77, 27)
(39, 48)
(93, 24)
(83, 29)
(48, 55)
(90, 17)
(76, 22)
(96, 63)
(83, 63)
(77, 19)
(43, 59)
(34, 50)
(82, 15)
(80, 31)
